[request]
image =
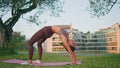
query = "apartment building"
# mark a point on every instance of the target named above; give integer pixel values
(112, 34)
(106, 39)
(95, 42)
(103, 40)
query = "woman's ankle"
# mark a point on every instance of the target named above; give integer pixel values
(29, 61)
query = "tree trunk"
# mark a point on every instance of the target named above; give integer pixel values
(2, 34)
(5, 34)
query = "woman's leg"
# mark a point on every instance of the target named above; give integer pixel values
(38, 35)
(40, 49)
(30, 50)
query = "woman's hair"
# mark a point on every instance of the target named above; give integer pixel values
(72, 48)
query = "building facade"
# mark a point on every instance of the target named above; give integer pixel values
(104, 40)
(95, 42)
(112, 34)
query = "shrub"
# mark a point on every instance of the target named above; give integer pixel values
(17, 42)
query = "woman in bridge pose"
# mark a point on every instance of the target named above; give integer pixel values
(45, 33)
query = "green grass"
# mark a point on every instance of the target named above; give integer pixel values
(89, 60)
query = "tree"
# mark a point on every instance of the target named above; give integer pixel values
(19, 8)
(102, 7)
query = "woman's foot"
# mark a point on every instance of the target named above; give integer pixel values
(71, 63)
(37, 61)
(29, 61)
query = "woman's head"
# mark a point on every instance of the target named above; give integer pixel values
(72, 44)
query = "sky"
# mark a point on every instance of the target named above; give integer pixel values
(76, 14)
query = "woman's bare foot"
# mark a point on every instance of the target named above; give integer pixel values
(29, 61)
(37, 61)
(71, 63)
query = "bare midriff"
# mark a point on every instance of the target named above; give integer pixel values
(56, 29)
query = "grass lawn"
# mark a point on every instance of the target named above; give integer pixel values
(89, 60)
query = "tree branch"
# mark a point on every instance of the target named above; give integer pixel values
(27, 9)
(13, 21)
(7, 21)
(112, 5)
(1, 23)
(26, 3)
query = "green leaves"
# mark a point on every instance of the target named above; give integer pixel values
(101, 7)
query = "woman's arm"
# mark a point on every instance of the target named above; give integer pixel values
(68, 49)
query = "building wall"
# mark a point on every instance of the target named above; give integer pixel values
(113, 38)
(95, 42)
(106, 39)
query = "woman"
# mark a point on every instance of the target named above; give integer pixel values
(45, 33)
